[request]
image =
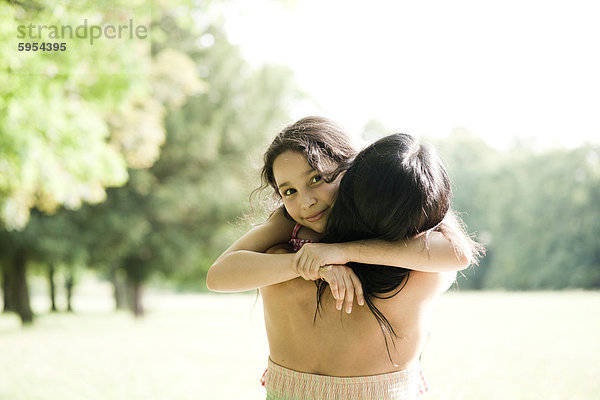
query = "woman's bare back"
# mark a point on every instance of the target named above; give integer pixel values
(340, 344)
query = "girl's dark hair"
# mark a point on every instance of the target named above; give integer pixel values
(327, 147)
(395, 188)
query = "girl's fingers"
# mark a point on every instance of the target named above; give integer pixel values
(344, 285)
(302, 267)
(349, 293)
(323, 272)
(307, 267)
(327, 273)
(301, 264)
(314, 269)
(297, 262)
(341, 294)
(334, 288)
(360, 297)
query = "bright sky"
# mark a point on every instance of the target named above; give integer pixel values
(527, 68)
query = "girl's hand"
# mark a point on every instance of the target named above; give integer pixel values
(313, 256)
(344, 284)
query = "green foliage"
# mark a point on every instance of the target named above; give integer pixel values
(57, 106)
(535, 211)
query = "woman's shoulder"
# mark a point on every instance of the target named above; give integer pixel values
(429, 285)
(424, 286)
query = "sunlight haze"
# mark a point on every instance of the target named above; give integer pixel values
(516, 68)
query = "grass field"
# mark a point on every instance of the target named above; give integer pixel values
(517, 346)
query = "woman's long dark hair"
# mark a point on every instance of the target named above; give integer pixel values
(395, 188)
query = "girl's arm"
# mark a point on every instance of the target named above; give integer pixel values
(244, 266)
(342, 281)
(438, 254)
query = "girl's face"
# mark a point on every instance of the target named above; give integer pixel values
(306, 196)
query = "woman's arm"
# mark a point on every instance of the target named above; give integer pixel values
(438, 254)
(244, 266)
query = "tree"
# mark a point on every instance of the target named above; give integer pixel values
(57, 107)
(534, 211)
(63, 136)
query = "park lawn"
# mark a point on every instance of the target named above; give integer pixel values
(483, 345)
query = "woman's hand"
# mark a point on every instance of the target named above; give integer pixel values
(313, 256)
(344, 284)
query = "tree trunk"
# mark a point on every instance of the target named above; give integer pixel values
(7, 289)
(135, 298)
(119, 289)
(69, 282)
(52, 287)
(18, 293)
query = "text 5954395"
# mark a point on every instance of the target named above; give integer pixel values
(41, 46)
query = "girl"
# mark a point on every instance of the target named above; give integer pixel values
(394, 189)
(304, 165)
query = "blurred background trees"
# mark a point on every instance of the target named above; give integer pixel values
(536, 211)
(199, 104)
(135, 161)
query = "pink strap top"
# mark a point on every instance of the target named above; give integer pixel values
(295, 242)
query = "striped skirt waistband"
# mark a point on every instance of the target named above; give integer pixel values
(286, 384)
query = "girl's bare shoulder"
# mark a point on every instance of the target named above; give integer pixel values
(308, 234)
(279, 224)
(275, 230)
